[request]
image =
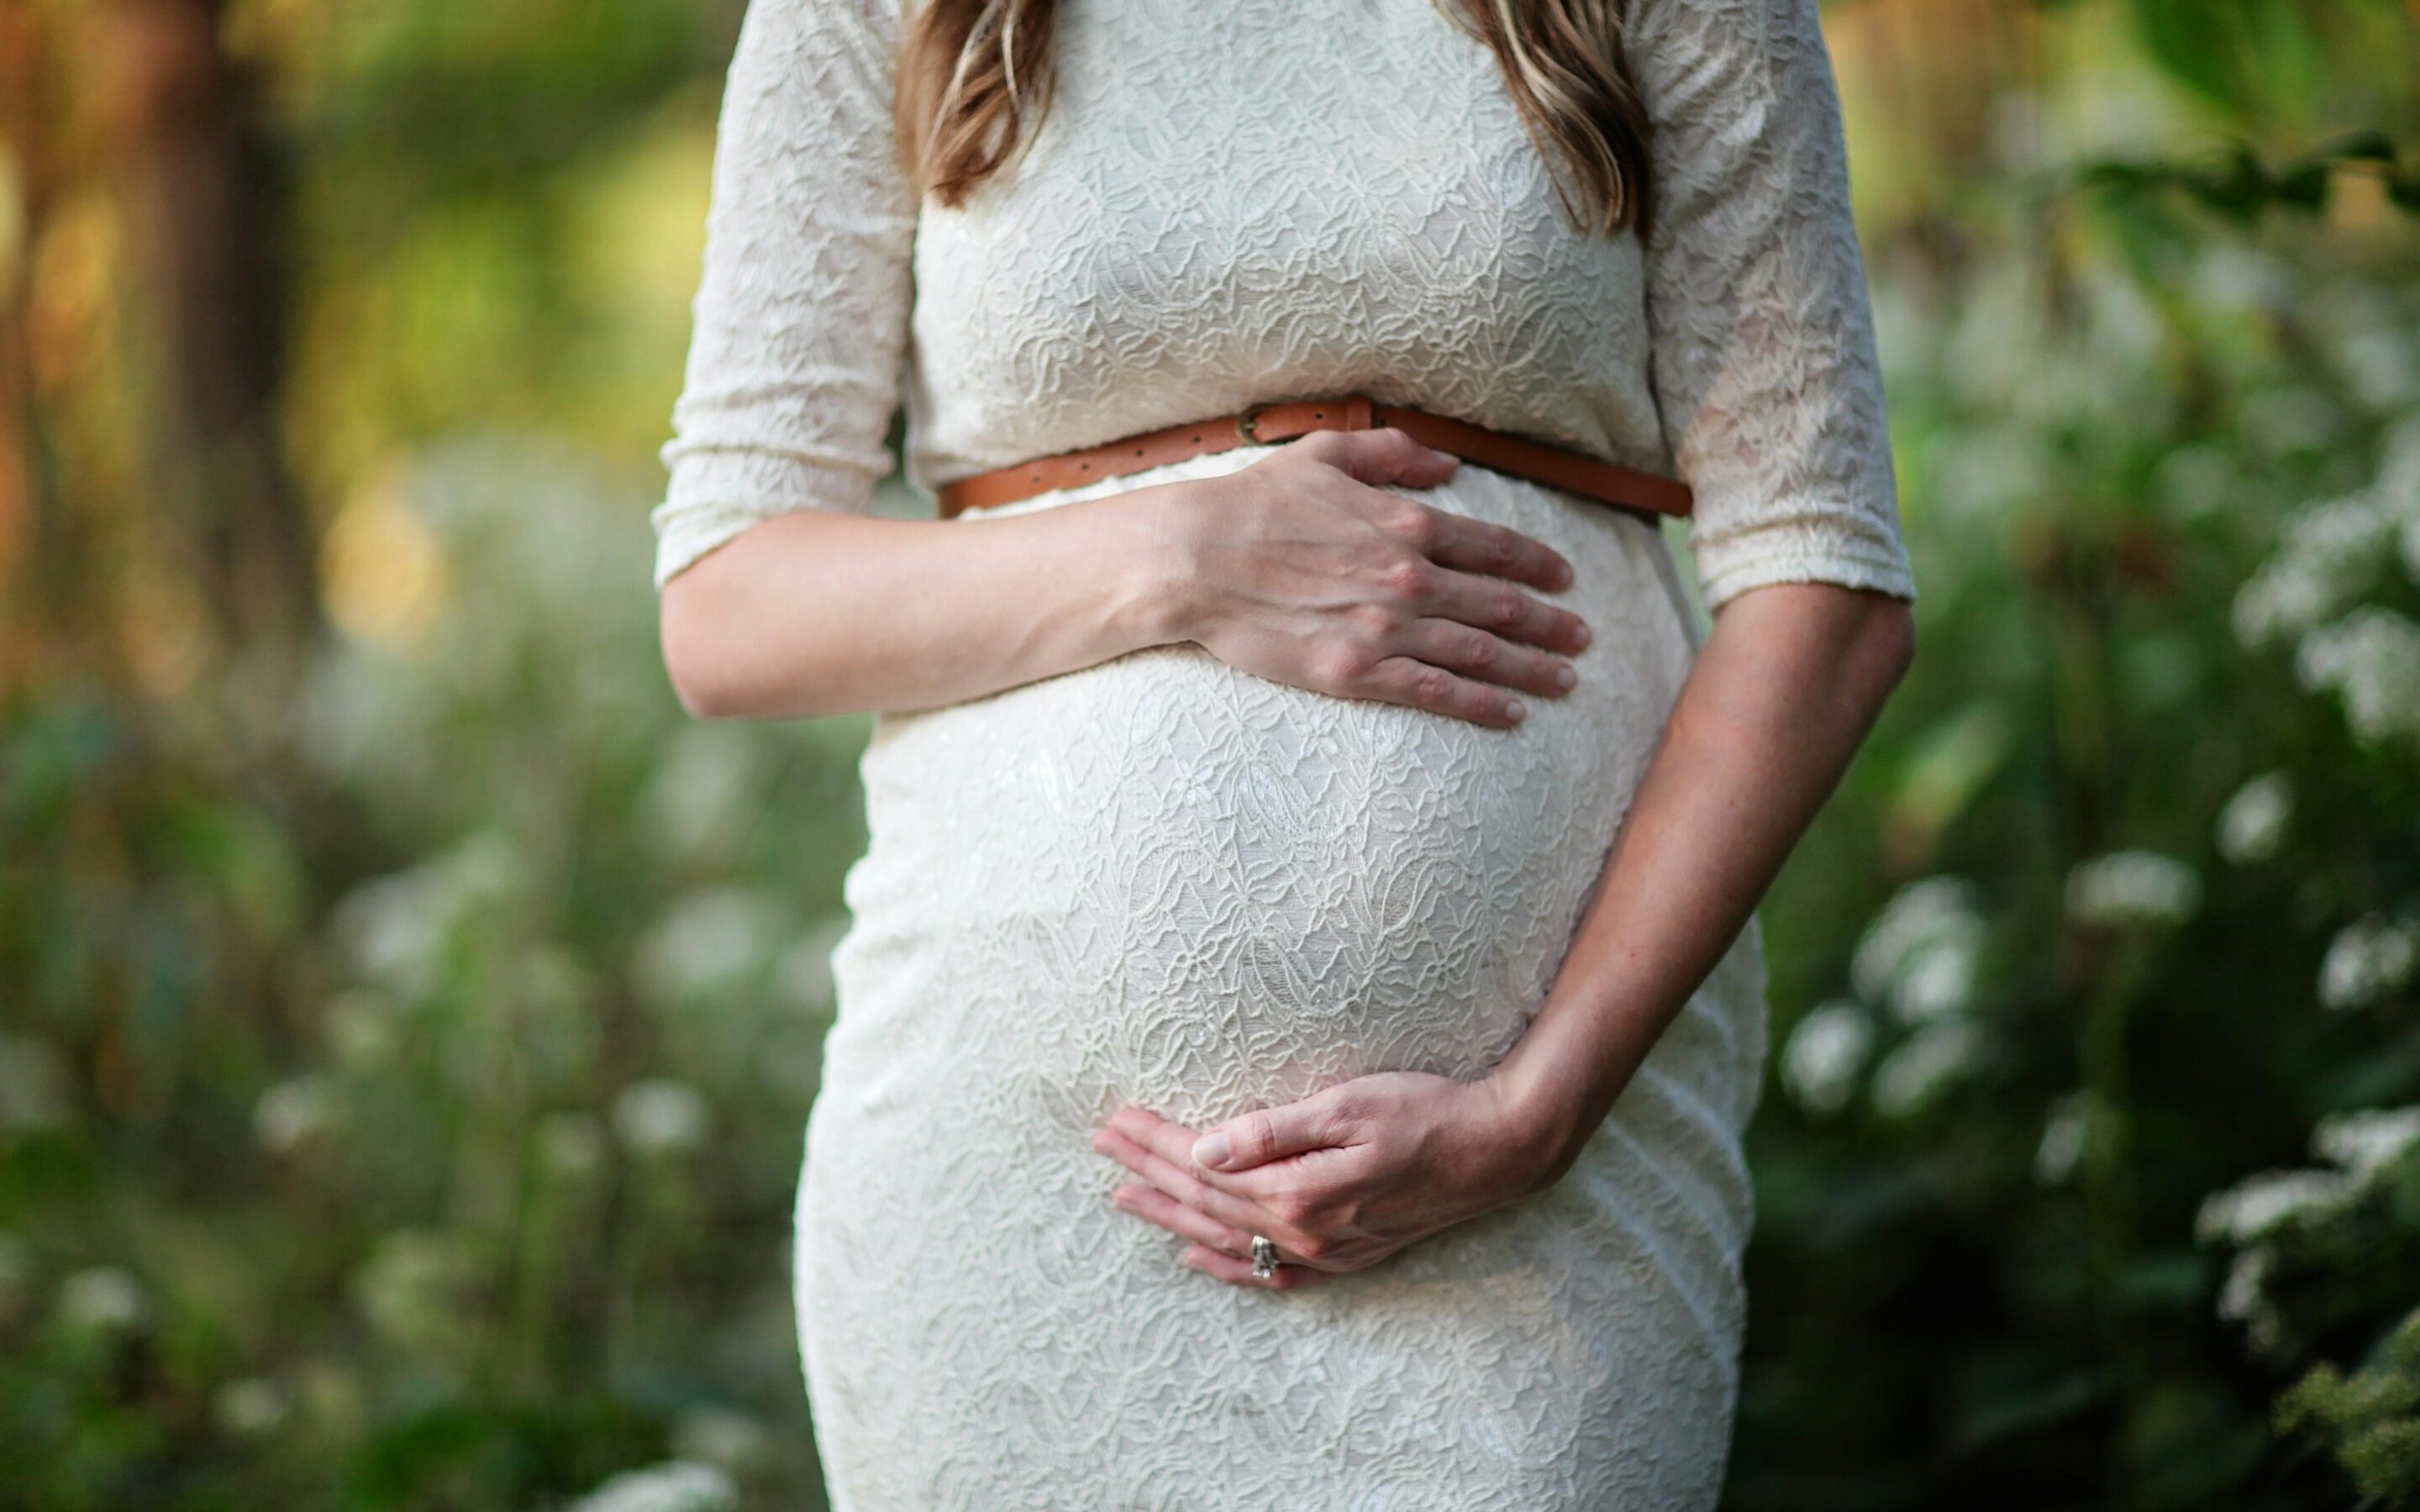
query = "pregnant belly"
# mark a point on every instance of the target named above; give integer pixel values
(1164, 881)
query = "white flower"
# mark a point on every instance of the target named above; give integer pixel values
(2377, 361)
(2328, 554)
(2140, 888)
(2244, 1297)
(1919, 954)
(660, 1117)
(1925, 1066)
(2371, 660)
(1823, 1054)
(295, 1113)
(251, 1407)
(2366, 1144)
(2245, 1278)
(2367, 960)
(2260, 1205)
(32, 1085)
(680, 1486)
(1939, 978)
(2253, 824)
(105, 1299)
(2066, 1131)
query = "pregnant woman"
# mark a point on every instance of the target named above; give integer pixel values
(1302, 1000)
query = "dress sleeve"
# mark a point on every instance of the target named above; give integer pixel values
(802, 313)
(1761, 336)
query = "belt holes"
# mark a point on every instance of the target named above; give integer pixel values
(1137, 450)
(1319, 415)
(1084, 467)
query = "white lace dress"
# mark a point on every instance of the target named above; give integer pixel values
(1165, 882)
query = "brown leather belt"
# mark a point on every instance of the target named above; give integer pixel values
(1555, 465)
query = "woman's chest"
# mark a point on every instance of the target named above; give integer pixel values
(1278, 192)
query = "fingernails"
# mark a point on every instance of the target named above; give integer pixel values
(1515, 710)
(1212, 1150)
(1582, 635)
(1565, 677)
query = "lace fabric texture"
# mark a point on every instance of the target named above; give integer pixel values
(1249, 200)
(1166, 882)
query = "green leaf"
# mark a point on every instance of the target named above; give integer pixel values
(2303, 187)
(2369, 146)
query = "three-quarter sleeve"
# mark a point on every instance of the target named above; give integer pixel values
(1762, 344)
(802, 312)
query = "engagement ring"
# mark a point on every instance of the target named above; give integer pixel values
(1264, 1258)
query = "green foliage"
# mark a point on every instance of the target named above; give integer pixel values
(2145, 825)
(2250, 58)
(2241, 188)
(2370, 1418)
(480, 1195)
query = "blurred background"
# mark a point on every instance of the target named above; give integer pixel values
(408, 1016)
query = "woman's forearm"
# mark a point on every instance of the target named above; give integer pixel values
(1312, 567)
(1783, 692)
(818, 612)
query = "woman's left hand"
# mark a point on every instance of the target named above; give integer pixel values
(1338, 1180)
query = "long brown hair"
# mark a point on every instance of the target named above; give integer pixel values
(974, 75)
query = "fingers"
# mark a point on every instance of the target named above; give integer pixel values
(1272, 1134)
(1497, 607)
(1154, 1206)
(1237, 1273)
(1493, 550)
(1386, 455)
(1483, 656)
(1381, 455)
(1182, 1184)
(1420, 686)
(1219, 1223)
(1216, 1250)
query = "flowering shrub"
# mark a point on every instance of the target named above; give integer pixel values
(2031, 1211)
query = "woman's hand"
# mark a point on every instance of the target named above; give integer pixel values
(1307, 569)
(1338, 1180)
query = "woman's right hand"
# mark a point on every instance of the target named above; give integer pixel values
(1304, 568)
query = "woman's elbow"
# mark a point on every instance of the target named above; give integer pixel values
(1882, 648)
(701, 679)
(707, 657)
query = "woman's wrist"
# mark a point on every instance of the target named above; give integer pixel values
(1549, 1110)
(1159, 583)
(1130, 550)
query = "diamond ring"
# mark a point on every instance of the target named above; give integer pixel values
(1264, 1258)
